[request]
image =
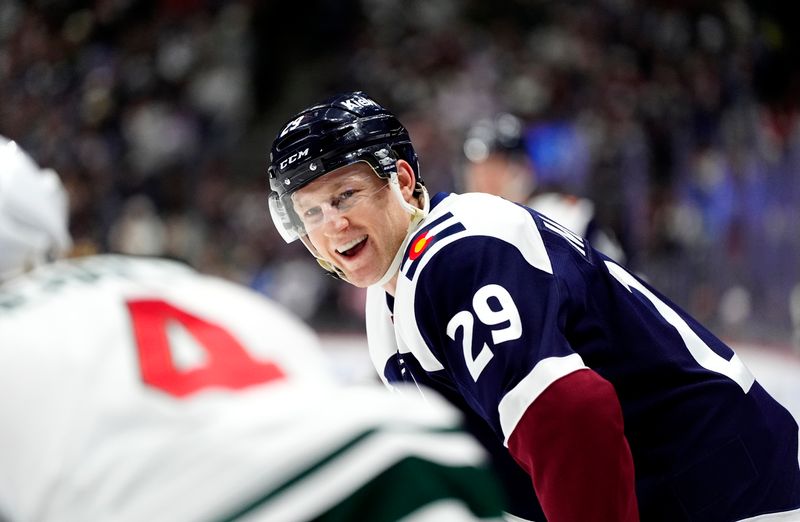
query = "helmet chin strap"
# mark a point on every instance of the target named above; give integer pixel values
(329, 267)
(417, 215)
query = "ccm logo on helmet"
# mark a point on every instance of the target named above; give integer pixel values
(357, 102)
(294, 157)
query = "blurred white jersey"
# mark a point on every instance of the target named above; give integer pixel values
(578, 214)
(139, 390)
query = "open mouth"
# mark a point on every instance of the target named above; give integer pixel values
(353, 247)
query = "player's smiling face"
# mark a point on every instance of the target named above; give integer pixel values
(354, 220)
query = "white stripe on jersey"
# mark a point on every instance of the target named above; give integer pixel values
(441, 226)
(470, 209)
(516, 402)
(573, 239)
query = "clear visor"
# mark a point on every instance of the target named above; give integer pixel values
(325, 199)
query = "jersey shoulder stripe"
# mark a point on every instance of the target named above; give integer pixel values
(574, 240)
(460, 216)
(440, 228)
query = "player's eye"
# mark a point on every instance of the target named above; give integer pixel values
(312, 215)
(345, 199)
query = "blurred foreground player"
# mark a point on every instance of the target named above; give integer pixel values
(139, 390)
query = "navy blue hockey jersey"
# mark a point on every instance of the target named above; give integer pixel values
(495, 303)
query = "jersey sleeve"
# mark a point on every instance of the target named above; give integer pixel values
(496, 323)
(571, 442)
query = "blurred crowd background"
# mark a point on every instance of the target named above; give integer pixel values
(678, 118)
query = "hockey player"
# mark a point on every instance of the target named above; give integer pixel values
(497, 162)
(137, 389)
(618, 405)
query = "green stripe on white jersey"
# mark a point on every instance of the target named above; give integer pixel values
(384, 476)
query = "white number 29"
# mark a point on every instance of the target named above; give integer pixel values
(465, 319)
(699, 350)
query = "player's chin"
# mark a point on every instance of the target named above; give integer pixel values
(361, 275)
(360, 270)
(361, 280)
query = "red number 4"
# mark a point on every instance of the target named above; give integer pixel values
(227, 365)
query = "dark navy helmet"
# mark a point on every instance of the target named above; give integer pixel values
(342, 130)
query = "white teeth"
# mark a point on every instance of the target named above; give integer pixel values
(350, 244)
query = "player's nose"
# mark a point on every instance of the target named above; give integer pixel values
(334, 222)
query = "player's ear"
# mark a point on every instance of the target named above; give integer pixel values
(406, 179)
